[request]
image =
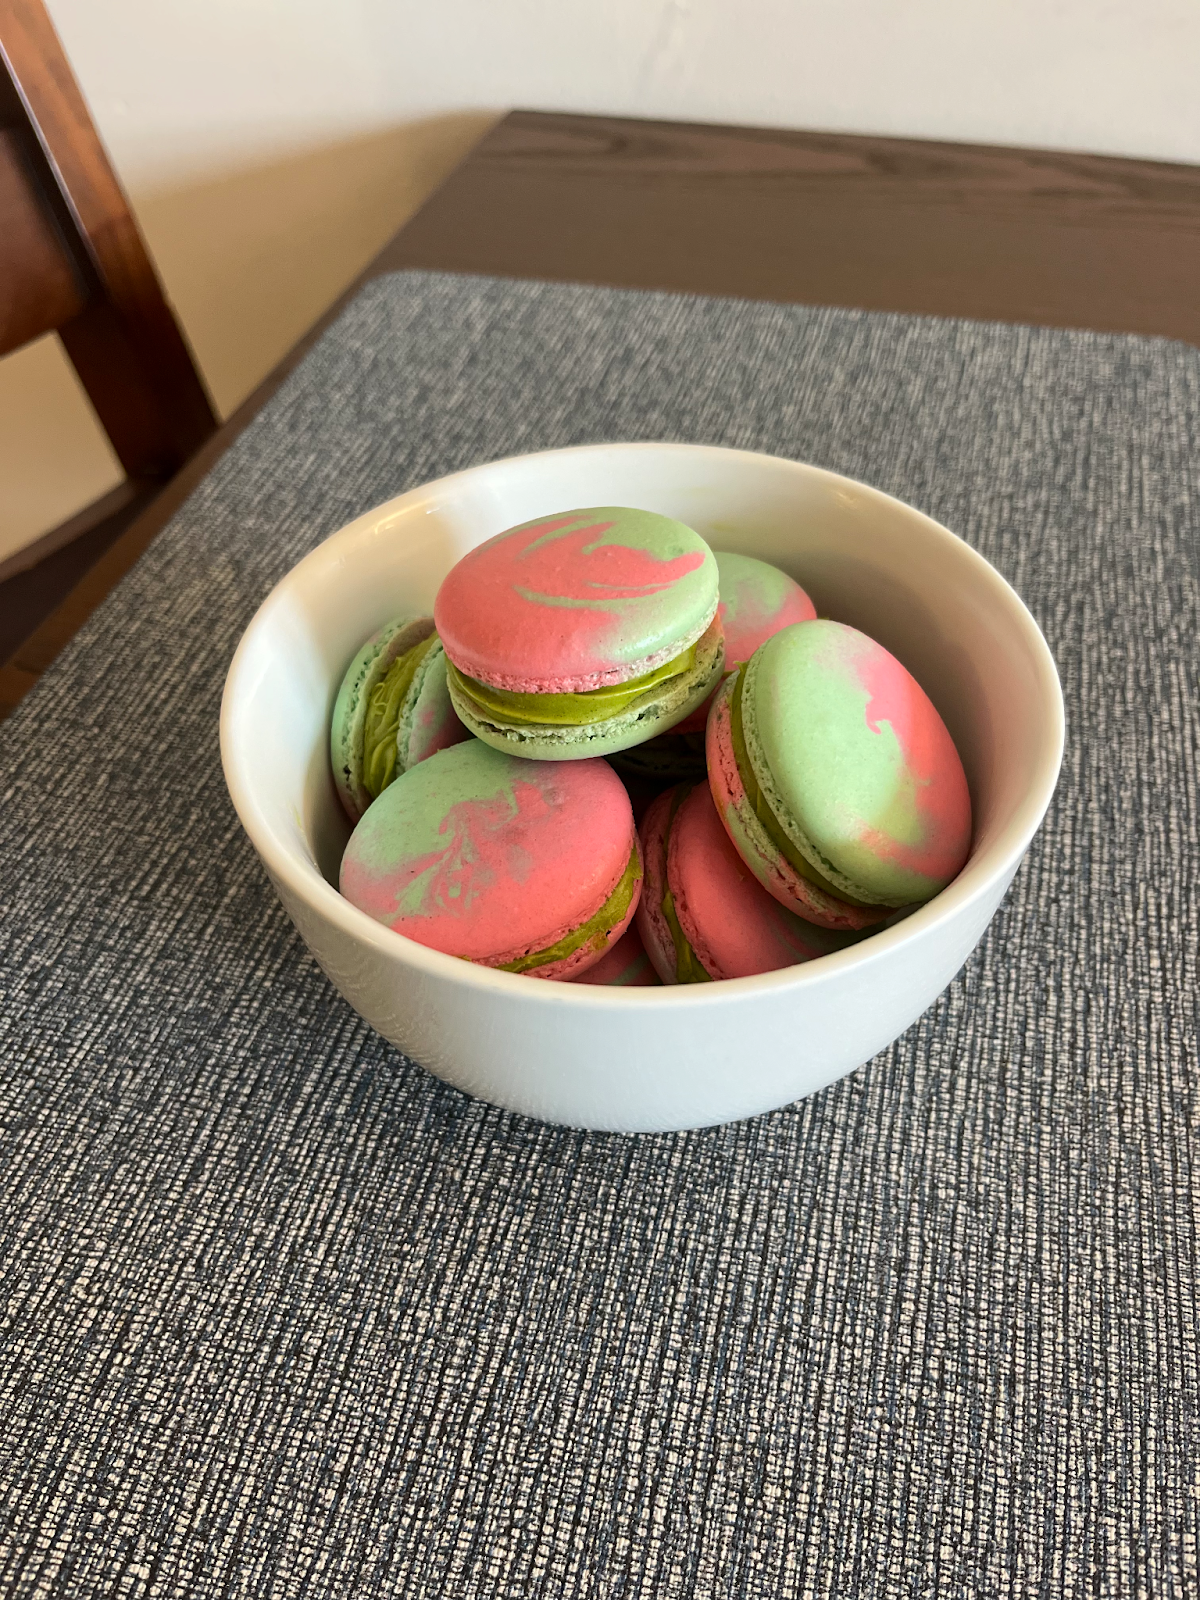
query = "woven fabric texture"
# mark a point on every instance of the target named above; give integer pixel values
(284, 1316)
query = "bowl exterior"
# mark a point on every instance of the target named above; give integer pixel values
(644, 1067)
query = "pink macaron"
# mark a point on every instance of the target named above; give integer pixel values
(757, 602)
(581, 633)
(624, 965)
(530, 866)
(702, 914)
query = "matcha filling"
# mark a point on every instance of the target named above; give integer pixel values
(504, 706)
(594, 931)
(687, 963)
(380, 750)
(772, 825)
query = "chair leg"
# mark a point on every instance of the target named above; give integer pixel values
(30, 598)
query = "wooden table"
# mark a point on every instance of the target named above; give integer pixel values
(829, 219)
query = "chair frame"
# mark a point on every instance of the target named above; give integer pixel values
(73, 262)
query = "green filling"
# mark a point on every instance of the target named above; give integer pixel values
(380, 752)
(593, 932)
(763, 811)
(503, 706)
(687, 963)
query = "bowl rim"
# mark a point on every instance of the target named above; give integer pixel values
(303, 879)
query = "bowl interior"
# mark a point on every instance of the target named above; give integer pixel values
(865, 558)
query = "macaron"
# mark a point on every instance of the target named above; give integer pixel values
(529, 866)
(756, 601)
(835, 777)
(393, 710)
(703, 915)
(624, 965)
(581, 633)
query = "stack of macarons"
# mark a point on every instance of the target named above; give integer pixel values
(797, 788)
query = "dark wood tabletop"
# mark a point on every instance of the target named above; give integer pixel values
(828, 219)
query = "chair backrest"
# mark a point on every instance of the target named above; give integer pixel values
(73, 262)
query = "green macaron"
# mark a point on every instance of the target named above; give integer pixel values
(835, 777)
(393, 710)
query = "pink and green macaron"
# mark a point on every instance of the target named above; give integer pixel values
(757, 600)
(582, 633)
(392, 711)
(703, 915)
(532, 867)
(624, 965)
(835, 777)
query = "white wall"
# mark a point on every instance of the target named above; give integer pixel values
(270, 146)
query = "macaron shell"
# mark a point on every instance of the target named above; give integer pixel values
(652, 926)
(577, 600)
(856, 763)
(624, 965)
(347, 724)
(428, 721)
(661, 709)
(755, 846)
(490, 858)
(757, 601)
(576, 967)
(735, 927)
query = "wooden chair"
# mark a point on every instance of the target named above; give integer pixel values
(72, 262)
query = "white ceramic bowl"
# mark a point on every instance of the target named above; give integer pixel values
(646, 1059)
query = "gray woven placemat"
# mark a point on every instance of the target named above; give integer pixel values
(284, 1316)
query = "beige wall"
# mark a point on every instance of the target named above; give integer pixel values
(270, 146)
